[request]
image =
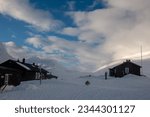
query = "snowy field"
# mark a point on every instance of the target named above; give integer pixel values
(129, 87)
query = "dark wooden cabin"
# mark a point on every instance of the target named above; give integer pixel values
(27, 71)
(125, 68)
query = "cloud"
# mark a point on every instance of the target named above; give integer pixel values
(95, 3)
(19, 52)
(73, 54)
(77, 53)
(117, 31)
(24, 11)
(35, 41)
(16, 51)
(13, 36)
(71, 5)
(70, 31)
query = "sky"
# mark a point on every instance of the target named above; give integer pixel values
(79, 34)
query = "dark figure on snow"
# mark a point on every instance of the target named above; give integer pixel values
(87, 83)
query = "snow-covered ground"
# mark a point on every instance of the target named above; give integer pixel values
(129, 87)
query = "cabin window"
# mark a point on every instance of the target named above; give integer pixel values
(7, 78)
(37, 75)
(126, 70)
(2, 77)
(115, 71)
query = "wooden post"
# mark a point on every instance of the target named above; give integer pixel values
(141, 61)
(105, 75)
(40, 76)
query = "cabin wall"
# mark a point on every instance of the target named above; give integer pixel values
(15, 79)
(111, 72)
(28, 75)
(135, 70)
(119, 71)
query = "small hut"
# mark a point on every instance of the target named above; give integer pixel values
(125, 68)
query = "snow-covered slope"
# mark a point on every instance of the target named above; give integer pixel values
(3, 54)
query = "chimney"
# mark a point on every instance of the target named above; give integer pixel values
(128, 60)
(23, 60)
(18, 60)
(34, 64)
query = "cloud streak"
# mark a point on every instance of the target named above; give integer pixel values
(79, 54)
(22, 10)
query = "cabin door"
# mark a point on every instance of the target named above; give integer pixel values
(126, 70)
(7, 78)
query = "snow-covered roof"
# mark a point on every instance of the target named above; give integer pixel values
(24, 66)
